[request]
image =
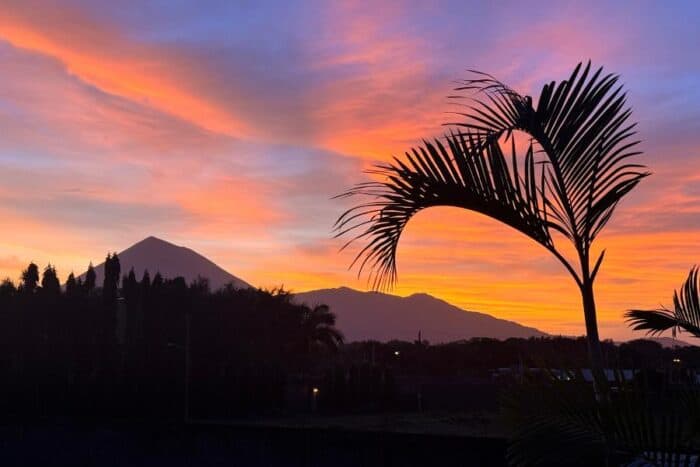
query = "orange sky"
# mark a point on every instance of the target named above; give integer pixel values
(230, 130)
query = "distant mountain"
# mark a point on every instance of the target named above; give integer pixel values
(383, 317)
(171, 261)
(361, 315)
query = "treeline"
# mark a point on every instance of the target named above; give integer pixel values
(151, 347)
(156, 347)
(479, 356)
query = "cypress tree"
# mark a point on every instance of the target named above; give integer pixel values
(7, 288)
(71, 285)
(49, 282)
(110, 284)
(157, 280)
(146, 280)
(30, 278)
(90, 279)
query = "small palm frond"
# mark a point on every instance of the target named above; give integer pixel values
(329, 337)
(685, 314)
(556, 423)
(562, 423)
(581, 124)
(655, 322)
(652, 429)
(465, 174)
(318, 324)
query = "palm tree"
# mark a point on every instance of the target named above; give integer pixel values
(318, 328)
(565, 187)
(684, 316)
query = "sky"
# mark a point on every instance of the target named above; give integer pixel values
(228, 127)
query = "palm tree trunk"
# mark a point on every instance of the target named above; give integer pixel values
(595, 352)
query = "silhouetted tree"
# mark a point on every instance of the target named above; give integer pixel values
(318, 328)
(146, 279)
(71, 285)
(7, 288)
(157, 281)
(110, 283)
(134, 319)
(129, 280)
(130, 290)
(200, 286)
(49, 282)
(573, 173)
(90, 279)
(30, 278)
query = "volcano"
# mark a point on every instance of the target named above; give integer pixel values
(156, 255)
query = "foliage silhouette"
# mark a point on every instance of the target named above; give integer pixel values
(573, 173)
(120, 350)
(49, 281)
(110, 283)
(684, 316)
(30, 278)
(64, 355)
(7, 288)
(318, 324)
(560, 422)
(71, 285)
(90, 279)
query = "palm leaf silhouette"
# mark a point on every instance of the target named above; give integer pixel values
(574, 173)
(318, 325)
(461, 175)
(685, 314)
(560, 422)
(581, 124)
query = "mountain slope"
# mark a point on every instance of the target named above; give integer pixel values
(171, 261)
(382, 317)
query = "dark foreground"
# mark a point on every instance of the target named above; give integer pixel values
(133, 445)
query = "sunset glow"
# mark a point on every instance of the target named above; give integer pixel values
(230, 130)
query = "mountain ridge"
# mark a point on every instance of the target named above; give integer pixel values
(359, 312)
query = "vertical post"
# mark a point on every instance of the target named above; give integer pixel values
(314, 400)
(187, 368)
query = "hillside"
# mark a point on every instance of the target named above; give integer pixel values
(383, 317)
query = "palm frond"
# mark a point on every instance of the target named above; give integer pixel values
(318, 324)
(685, 314)
(570, 182)
(655, 322)
(582, 126)
(561, 422)
(464, 174)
